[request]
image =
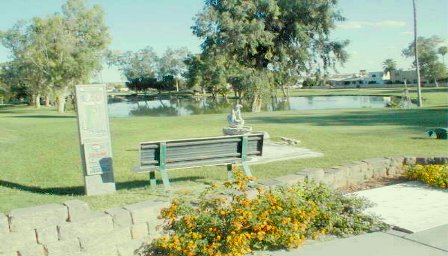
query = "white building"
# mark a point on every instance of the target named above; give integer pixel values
(377, 77)
(359, 80)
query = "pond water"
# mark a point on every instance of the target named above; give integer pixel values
(199, 106)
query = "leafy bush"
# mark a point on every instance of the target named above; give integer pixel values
(433, 175)
(308, 82)
(279, 218)
(338, 214)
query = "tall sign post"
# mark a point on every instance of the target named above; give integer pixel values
(94, 137)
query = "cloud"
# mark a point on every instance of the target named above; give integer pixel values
(372, 24)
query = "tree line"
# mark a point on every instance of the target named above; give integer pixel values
(431, 67)
(250, 48)
(145, 70)
(50, 55)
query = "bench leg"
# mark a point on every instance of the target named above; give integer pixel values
(247, 170)
(229, 172)
(152, 179)
(165, 179)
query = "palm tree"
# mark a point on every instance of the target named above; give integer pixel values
(389, 65)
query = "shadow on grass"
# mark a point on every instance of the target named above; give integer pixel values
(143, 183)
(14, 109)
(60, 191)
(43, 116)
(79, 190)
(433, 89)
(414, 118)
(10, 111)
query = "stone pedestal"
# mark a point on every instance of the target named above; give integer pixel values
(237, 130)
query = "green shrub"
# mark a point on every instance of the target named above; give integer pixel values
(279, 218)
(338, 214)
(433, 175)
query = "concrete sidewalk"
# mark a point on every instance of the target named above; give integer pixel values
(280, 152)
(412, 205)
(433, 242)
(419, 210)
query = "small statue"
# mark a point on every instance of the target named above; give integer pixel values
(236, 123)
(234, 118)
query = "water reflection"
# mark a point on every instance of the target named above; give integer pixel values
(120, 107)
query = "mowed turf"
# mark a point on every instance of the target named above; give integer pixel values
(40, 161)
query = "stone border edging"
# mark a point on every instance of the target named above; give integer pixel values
(72, 228)
(355, 172)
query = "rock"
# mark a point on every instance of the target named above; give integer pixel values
(289, 141)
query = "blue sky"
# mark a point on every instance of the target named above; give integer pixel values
(377, 29)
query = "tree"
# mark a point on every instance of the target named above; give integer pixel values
(172, 63)
(63, 49)
(140, 68)
(24, 79)
(430, 66)
(144, 69)
(443, 51)
(194, 74)
(207, 73)
(255, 35)
(5, 83)
(389, 65)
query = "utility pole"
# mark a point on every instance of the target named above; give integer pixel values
(417, 65)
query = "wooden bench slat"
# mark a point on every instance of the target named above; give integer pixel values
(149, 146)
(200, 158)
(206, 162)
(205, 142)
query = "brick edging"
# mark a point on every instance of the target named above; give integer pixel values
(73, 228)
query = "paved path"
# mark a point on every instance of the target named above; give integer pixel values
(411, 205)
(433, 242)
(419, 210)
(279, 152)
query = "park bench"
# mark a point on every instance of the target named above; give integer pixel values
(441, 133)
(187, 153)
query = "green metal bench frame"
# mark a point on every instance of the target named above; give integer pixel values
(189, 153)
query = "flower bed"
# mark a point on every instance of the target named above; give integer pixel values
(282, 217)
(434, 175)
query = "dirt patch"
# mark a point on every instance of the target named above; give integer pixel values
(373, 183)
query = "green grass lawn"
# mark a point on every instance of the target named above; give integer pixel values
(40, 162)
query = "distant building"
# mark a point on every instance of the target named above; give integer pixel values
(359, 79)
(346, 79)
(377, 77)
(399, 76)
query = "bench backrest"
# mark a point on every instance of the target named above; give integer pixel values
(175, 154)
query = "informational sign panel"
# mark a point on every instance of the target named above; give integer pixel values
(94, 136)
